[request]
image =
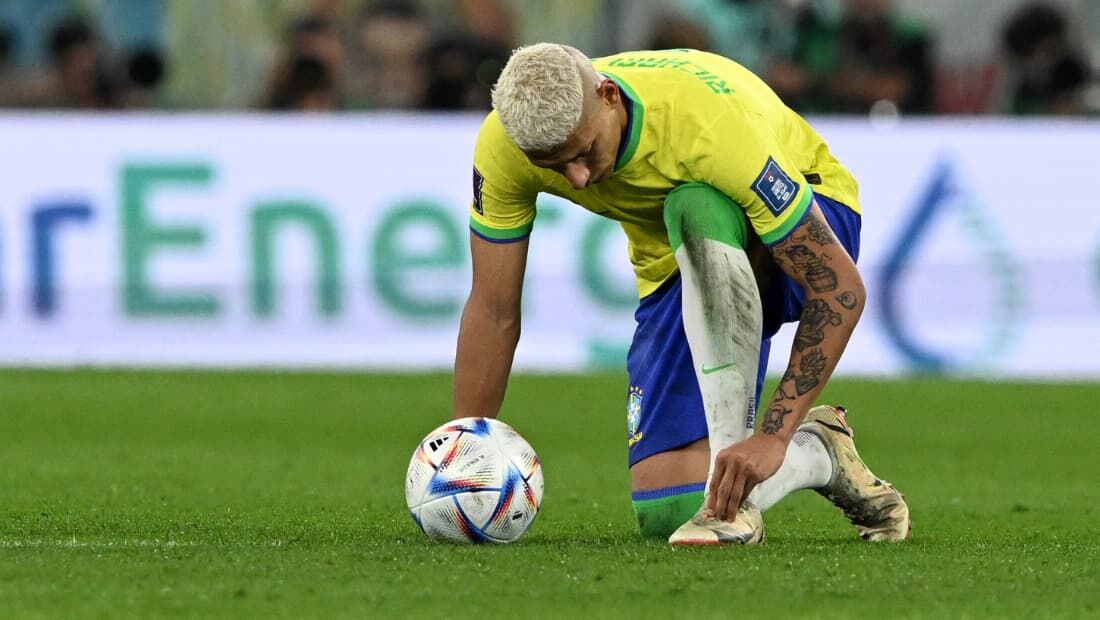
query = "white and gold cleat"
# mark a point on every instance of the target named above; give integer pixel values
(746, 529)
(874, 506)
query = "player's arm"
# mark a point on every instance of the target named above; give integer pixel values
(779, 204)
(835, 296)
(490, 327)
(502, 215)
(812, 257)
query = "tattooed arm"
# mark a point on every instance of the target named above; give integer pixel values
(812, 257)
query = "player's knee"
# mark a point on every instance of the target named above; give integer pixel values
(659, 517)
(696, 210)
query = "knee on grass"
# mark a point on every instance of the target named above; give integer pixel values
(661, 512)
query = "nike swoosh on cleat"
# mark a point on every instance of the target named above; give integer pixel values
(707, 371)
(839, 429)
(729, 538)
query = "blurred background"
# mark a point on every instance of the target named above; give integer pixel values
(823, 56)
(287, 182)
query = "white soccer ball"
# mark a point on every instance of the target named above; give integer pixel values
(474, 480)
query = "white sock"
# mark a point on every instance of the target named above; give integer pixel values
(807, 466)
(722, 320)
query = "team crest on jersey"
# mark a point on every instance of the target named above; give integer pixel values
(633, 415)
(775, 188)
(479, 181)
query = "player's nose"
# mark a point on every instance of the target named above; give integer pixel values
(577, 174)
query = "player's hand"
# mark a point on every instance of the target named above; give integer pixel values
(739, 468)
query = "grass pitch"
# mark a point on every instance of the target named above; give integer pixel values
(138, 494)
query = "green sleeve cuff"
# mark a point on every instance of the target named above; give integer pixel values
(500, 235)
(794, 218)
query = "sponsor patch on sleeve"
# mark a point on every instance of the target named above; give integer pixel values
(479, 181)
(775, 188)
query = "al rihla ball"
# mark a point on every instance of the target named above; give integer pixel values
(474, 480)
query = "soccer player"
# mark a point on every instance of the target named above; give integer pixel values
(738, 219)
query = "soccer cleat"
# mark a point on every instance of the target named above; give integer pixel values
(874, 506)
(746, 529)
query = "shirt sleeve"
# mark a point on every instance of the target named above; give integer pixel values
(743, 160)
(504, 192)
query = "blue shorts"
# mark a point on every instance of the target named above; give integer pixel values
(664, 406)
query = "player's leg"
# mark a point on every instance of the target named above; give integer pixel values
(666, 430)
(874, 506)
(722, 322)
(876, 509)
(721, 317)
(720, 305)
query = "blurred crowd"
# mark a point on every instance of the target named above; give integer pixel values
(821, 56)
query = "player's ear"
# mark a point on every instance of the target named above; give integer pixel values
(608, 91)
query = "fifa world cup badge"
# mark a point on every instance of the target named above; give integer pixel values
(633, 415)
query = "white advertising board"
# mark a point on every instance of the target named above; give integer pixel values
(243, 241)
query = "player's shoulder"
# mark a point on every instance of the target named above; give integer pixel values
(491, 134)
(501, 163)
(494, 145)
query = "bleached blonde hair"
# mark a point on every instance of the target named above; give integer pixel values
(540, 96)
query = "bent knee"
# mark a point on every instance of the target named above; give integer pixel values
(673, 491)
(696, 210)
(661, 511)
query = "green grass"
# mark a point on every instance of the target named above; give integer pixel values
(137, 494)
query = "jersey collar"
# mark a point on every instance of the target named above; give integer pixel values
(635, 116)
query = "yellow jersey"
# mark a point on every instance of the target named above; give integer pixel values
(694, 117)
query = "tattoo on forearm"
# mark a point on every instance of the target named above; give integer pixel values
(788, 377)
(811, 366)
(819, 232)
(811, 326)
(819, 276)
(848, 299)
(773, 419)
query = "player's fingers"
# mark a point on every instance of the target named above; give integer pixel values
(737, 491)
(749, 486)
(715, 480)
(722, 493)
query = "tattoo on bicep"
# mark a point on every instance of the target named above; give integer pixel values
(811, 325)
(810, 367)
(818, 275)
(773, 419)
(848, 299)
(820, 232)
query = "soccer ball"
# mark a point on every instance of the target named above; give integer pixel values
(474, 480)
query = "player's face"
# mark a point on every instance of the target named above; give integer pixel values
(588, 156)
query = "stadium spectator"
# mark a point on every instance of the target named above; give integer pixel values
(752, 32)
(310, 71)
(461, 72)
(306, 86)
(847, 63)
(488, 21)
(674, 31)
(78, 77)
(316, 36)
(1049, 74)
(393, 38)
(144, 71)
(329, 10)
(7, 46)
(7, 71)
